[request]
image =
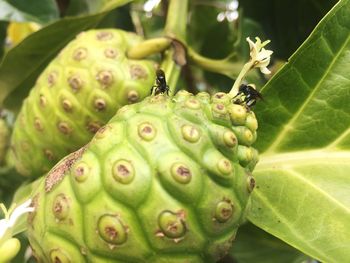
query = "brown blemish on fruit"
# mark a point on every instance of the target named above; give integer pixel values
(123, 171)
(31, 215)
(181, 173)
(93, 126)
(230, 139)
(42, 100)
(105, 78)
(219, 95)
(38, 125)
(64, 127)
(81, 172)
(224, 166)
(59, 256)
(146, 131)
(138, 72)
(190, 133)
(51, 78)
(59, 171)
(103, 35)
(111, 229)
(75, 83)
(110, 53)
(172, 225)
(61, 207)
(102, 132)
(100, 104)
(224, 211)
(133, 96)
(192, 104)
(219, 108)
(80, 53)
(67, 105)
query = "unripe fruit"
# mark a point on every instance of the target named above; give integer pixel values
(78, 92)
(161, 182)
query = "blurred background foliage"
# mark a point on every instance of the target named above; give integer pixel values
(33, 32)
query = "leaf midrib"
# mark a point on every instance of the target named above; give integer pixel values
(306, 158)
(271, 149)
(301, 157)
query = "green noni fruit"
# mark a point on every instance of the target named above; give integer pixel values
(166, 180)
(78, 92)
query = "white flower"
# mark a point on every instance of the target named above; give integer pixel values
(260, 56)
(11, 217)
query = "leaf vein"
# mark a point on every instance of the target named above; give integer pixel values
(290, 123)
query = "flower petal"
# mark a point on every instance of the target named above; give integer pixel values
(20, 210)
(265, 70)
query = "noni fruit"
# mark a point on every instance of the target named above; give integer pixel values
(78, 92)
(166, 180)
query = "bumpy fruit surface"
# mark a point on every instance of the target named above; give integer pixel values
(79, 91)
(166, 180)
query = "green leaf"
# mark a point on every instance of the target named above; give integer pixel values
(287, 22)
(3, 29)
(43, 11)
(254, 245)
(303, 198)
(311, 92)
(22, 64)
(303, 184)
(85, 7)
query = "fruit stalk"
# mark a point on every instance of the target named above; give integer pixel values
(176, 22)
(149, 47)
(175, 28)
(222, 66)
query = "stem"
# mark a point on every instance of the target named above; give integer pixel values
(222, 66)
(171, 70)
(175, 27)
(176, 21)
(149, 47)
(247, 67)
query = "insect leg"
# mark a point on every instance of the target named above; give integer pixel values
(152, 88)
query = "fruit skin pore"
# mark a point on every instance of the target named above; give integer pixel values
(78, 92)
(163, 181)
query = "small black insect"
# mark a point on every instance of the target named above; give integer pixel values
(247, 95)
(161, 85)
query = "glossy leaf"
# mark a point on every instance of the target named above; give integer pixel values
(311, 93)
(255, 245)
(23, 63)
(84, 7)
(303, 184)
(43, 11)
(303, 198)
